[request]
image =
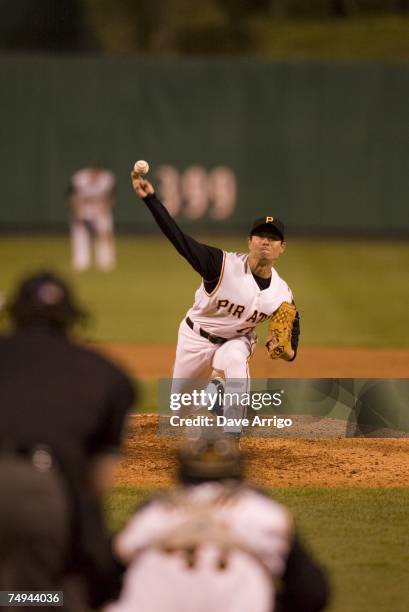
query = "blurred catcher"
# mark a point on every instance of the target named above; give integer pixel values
(215, 543)
(90, 200)
(63, 409)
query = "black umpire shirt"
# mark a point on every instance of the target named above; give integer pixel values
(56, 393)
(70, 399)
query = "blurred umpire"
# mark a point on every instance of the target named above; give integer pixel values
(62, 414)
(216, 544)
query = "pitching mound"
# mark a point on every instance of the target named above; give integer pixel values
(327, 462)
(332, 462)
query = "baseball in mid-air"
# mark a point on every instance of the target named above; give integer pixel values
(141, 167)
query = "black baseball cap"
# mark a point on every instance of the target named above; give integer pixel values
(45, 297)
(273, 225)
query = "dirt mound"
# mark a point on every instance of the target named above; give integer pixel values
(333, 462)
(278, 461)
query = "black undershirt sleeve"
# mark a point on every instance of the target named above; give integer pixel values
(206, 260)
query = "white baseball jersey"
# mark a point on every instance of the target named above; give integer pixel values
(91, 184)
(237, 304)
(184, 559)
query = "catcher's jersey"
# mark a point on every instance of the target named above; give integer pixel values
(240, 548)
(237, 304)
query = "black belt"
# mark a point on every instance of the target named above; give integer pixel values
(211, 337)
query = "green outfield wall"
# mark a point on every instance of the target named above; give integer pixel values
(325, 147)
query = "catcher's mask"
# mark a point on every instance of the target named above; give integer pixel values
(215, 459)
(45, 298)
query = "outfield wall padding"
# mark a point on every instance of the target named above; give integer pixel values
(325, 147)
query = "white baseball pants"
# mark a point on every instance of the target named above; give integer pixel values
(196, 357)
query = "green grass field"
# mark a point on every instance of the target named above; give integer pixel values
(349, 292)
(360, 536)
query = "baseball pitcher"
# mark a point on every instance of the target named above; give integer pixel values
(238, 291)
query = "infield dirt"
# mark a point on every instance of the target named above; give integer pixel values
(337, 462)
(150, 361)
(326, 462)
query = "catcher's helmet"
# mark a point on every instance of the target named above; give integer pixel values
(210, 459)
(44, 298)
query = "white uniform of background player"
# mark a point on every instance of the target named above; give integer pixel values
(238, 291)
(91, 197)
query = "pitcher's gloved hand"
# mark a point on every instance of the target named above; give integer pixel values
(283, 332)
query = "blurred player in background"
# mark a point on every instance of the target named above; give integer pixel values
(216, 544)
(63, 409)
(90, 200)
(238, 291)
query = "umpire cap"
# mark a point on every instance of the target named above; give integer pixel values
(272, 225)
(210, 459)
(45, 297)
